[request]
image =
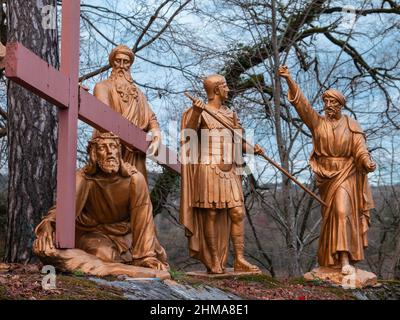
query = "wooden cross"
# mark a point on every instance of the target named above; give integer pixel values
(61, 88)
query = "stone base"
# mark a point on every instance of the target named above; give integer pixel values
(229, 273)
(357, 280)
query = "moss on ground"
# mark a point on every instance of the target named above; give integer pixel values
(303, 282)
(268, 281)
(27, 286)
(177, 275)
(80, 288)
(3, 293)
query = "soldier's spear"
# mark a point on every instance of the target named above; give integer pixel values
(276, 165)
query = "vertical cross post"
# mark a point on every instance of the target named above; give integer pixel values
(61, 88)
(68, 123)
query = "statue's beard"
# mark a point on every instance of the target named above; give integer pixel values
(332, 112)
(121, 75)
(109, 165)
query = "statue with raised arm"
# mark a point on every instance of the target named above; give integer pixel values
(122, 95)
(212, 204)
(340, 161)
(115, 230)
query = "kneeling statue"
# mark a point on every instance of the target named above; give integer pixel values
(115, 230)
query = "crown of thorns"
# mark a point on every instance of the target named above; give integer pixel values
(106, 135)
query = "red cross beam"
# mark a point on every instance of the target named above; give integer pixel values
(61, 88)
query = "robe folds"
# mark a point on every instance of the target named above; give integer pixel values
(338, 160)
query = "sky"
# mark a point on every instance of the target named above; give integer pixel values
(95, 54)
(153, 75)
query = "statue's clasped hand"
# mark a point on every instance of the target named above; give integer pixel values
(198, 105)
(152, 150)
(258, 150)
(370, 166)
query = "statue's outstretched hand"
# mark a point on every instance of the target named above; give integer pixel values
(283, 71)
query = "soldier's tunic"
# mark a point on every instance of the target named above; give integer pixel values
(210, 179)
(218, 185)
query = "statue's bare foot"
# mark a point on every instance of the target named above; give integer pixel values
(348, 269)
(241, 265)
(216, 270)
(153, 263)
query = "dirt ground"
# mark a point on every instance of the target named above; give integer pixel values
(25, 282)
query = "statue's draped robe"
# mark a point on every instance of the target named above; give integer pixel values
(114, 218)
(208, 186)
(338, 160)
(128, 100)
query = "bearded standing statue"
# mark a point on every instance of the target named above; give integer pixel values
(212, 204)
(340, 161)
(115, 231)
(122, 95)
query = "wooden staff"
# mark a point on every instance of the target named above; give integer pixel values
(276, 165)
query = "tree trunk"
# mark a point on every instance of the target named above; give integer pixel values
(291, 235)
(32, 134)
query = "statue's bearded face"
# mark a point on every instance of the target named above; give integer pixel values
(121, 62)
(332, 107)
(121, 66)
(107, 154)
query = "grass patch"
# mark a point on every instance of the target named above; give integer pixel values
(177, 275)
(303, 282)
(78, 273)
(267, 281)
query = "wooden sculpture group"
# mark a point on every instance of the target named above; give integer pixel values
(115, 231)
